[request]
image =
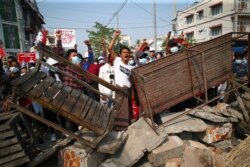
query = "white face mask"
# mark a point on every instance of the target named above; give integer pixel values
(238, 61)
(14, 69)
(143, 61)
(174, 49)
(131, 62)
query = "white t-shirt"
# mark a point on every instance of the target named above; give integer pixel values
(122, 73)
(105, 71)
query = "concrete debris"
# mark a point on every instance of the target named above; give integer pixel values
(234, 113)
(197, 157)
(172, 148)
(141, 138)
(112, 142)
(174, 162)
(208, 116)
(183, 123)
(196, 144)
(110, 163)
(80, 157)
(216, 132)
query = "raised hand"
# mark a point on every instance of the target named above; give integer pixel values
(117, 33)
(59, 34)
(87, 42)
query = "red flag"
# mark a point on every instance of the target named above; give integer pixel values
(2, 53)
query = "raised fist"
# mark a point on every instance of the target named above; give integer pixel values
(117, 33)
(58, 34)
(87, 42)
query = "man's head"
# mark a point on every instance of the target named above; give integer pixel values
(152, 53)
(70, 54)
(125, 52)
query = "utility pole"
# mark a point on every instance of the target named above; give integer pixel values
(155, 30)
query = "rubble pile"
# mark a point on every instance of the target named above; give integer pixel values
(203, 137)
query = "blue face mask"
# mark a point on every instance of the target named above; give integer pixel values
(14, 69)
(76, 60)
(143, 61)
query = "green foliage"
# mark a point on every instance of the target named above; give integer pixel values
(96, 36)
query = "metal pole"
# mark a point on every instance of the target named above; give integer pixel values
(248, 59)
(155, 31)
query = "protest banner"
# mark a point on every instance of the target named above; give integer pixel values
(68, 37)
(26, 57)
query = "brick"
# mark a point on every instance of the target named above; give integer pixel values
(172, 148)
(79, 156)
(141, 138)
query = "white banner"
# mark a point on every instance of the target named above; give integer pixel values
(68, 37)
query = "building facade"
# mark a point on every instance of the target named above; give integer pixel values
(207, 19)
(20, 20)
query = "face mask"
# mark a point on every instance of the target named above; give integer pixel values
(238, 61)
(22, 74)
(143, 61)
(14, 69)
(76, 60)
(174, 49)
(131, 62)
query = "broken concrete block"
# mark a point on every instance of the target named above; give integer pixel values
(208, 116)
(216, 132)
(110, 163)
(219, 160)
(141, 138)
(172, 148)
(183, 123)
(80, 157)
(198, 145)
(197, 157)
(112, 142)
(174, 162)
(234, 113)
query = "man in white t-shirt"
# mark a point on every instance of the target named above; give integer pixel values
(121, 68)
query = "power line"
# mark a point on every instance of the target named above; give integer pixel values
(117, 12)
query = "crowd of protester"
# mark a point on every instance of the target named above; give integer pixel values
(113, 67)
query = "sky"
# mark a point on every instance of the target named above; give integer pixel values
(134, 19)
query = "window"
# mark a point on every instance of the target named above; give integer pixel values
(242, 4)
(11, 36)
(190, 35)
(242, 26)
(215, 31)
(7, 10)
(200, 15)
(216, 9)
(190, 19)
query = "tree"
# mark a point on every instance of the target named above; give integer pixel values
(101, 32)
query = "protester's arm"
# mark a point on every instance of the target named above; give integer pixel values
(59, 48)
(111, 45)
(167, 40)
(90, 51)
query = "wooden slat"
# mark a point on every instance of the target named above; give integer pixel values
(59, 100)
(17, 162)
(30, 83)
(8, 142)
(71, 100)
(24, 78)
(7, 117)
(41, 87)
(96, 115)
(52, 91)
(86, 108)
(11, 157)
(80, 105)
(101, 116)
(91, 112)
(9, 150)
(4, 127)
(106, 118)
(6, 134)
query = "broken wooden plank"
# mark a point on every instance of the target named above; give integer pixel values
(101, 116)
(24, 78)
(8, 142)
(6, 134)
(62, 95)
(96, 115)
(10, 150)
(86, 109)
(42, 87)
(91, 112)
(30, 83)
(71, 100)
(245, 113)
(12, 157)
(80, 105)
(52, 91)
(106, 118)
(17, 162)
